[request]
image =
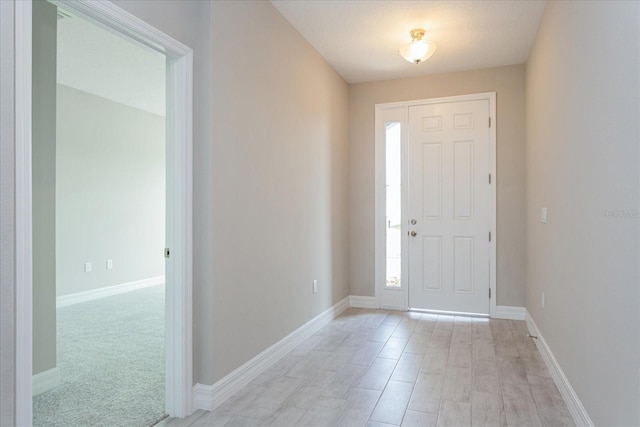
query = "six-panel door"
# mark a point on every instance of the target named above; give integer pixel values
(450, 201)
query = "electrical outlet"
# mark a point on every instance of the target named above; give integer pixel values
(109, 264)
(87, 267)
(542, 299)
(315, 286)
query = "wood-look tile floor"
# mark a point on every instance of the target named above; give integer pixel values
(379, 368)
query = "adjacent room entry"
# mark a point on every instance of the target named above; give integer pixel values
(444, 207)
(72, 128)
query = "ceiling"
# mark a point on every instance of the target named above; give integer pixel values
(103, 63)
(360, 38)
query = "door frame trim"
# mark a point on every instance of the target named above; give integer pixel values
(179, 199)
(380, 208)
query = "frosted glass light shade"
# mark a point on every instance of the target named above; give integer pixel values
(417, 51)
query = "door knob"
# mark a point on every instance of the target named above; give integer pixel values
(414, 234)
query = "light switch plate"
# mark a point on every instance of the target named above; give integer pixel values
(543, 215)
(87, 267)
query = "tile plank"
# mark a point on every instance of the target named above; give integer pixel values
(309, 365)
(461, 334)
(212, 419)
(519, 406)
(324, 412)
(486, 383)
(457, 384)
(454, 414)
(405, 328)
(287, 416)
(241, 421)
(487, 410)
(344, 381)
(375, 424)
(382, 333)
(306, 395)
(427, 392)
(435, 361)
(378, 374)
(393, 403)
(360, 404)
(407, 368)
(419, 419)
(459, 356)
(417, 343)
(550, 405)
(393, 348)
(440, 338)
(483, 350)
(511, 369)
(280, 368)
(367, 353)
(340, 358)
(242, 399)
(269, 401)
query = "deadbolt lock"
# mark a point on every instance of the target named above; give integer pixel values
(414, 222)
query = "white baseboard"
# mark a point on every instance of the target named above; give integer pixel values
(507, 312)
(577, 410)
(362, 302)
(108, 291)
(209, 397)
(45, 381)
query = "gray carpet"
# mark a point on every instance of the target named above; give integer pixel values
(111, 360)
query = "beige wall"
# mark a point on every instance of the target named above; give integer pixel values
(270, 177)
(279, 188)
(189, 22)
(508, 82)
(582, 160)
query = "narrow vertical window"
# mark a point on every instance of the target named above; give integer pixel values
(393, 204)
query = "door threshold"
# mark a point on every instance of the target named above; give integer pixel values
(451, 313)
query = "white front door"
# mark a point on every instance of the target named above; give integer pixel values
(449, 206)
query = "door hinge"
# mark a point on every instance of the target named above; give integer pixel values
(489, 236)
(167, 253)
(489, 293)
(489, 178)
(489, 121)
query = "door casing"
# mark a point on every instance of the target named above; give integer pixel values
(179, 198)
(398, 299)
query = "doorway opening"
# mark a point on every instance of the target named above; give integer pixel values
(178, 233)
(98, 153)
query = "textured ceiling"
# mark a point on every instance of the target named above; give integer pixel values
(360, 39)
(100, 62)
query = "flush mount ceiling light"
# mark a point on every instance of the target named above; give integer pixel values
(418, 50)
